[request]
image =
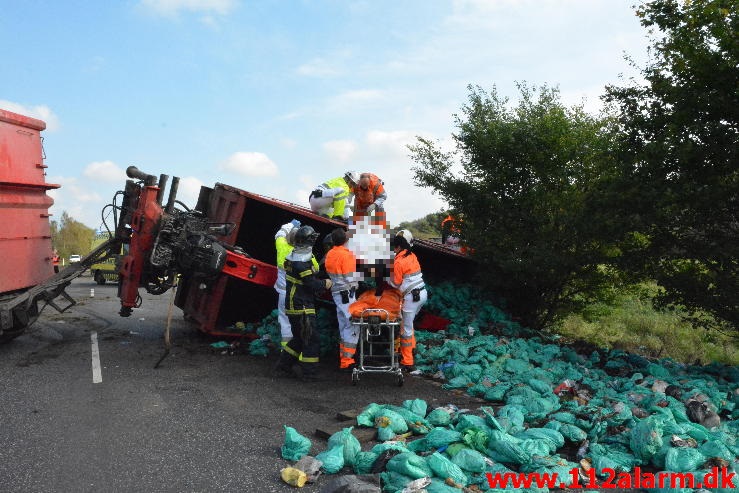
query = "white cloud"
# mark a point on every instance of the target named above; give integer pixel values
(170, 8)
(40, 112)
(188, 191)
(78, 199)
(340, 151)
(390, 145)
(250, 164)
(105, 171)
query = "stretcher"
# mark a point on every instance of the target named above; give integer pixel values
(378, 324)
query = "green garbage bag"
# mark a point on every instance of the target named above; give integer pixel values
(497, 393)
(409, 464)
(507, 452)
(367, 417)
(416, 406)
(467, 421)
(713, 448)
(553, 438)
(415, 422)
(646, 438)
(572, 433)
(296, 446)
(476, 439)
(333, 459)
(611, 457)
(391, 419)
(535, 447)
(683, 459)
(363, 462)
(563, 417)
(540, 386)
(385, 434)
(439, 417)
(258, 347)
(439, 437)
(393, 482)
(350, 443)
(470, 460)
(383, 447)
(444, 468)
(514, 414)
(420, 445)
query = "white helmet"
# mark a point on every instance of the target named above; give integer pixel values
(353, 176)
(407, 235)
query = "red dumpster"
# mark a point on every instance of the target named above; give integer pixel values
(25, 239)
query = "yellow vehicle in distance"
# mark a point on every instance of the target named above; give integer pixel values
(108, 269)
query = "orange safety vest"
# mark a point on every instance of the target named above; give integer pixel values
(341, 266)
(363, 198)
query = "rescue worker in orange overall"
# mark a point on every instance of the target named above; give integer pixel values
(341, 266)
(369, 196)
(451, 233)
(55, 261)
(301, 287)
(407, 278)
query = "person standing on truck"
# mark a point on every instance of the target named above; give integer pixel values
(284, 245)
(331, 198)
(341, 266)
(407, 278)
(369, 197)
(301, 287)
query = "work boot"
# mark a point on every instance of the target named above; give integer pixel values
(309, 372)
(347, 369)
(284, 366)
(407, 368)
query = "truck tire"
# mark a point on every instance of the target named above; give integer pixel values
(99, 277)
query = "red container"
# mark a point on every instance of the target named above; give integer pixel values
(25, 239)
(257, 219)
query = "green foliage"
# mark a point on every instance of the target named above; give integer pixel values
(69, 236)
(428, 227)
(679, 186)
(631, 323)
(525, 193)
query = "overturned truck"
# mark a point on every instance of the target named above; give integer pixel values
(219, 255)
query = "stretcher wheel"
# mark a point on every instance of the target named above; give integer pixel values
(400, 380)
(355, 378)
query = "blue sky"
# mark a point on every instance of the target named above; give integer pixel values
(276, 96)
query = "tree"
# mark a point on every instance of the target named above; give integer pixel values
(70, 236)
(678, 189)
(427, 227)
(524, 189)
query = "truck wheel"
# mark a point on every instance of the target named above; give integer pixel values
(99, 277)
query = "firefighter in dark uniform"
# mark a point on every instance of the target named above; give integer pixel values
(302, 286)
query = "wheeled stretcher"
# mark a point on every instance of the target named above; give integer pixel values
(378, 323)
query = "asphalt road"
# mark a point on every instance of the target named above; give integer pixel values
(203, 421)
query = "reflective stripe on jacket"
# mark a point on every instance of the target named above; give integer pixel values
(406, 272)
(341, 266)
(302, 283)
(339, 191)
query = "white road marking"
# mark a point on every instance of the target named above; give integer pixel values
(97, 375)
